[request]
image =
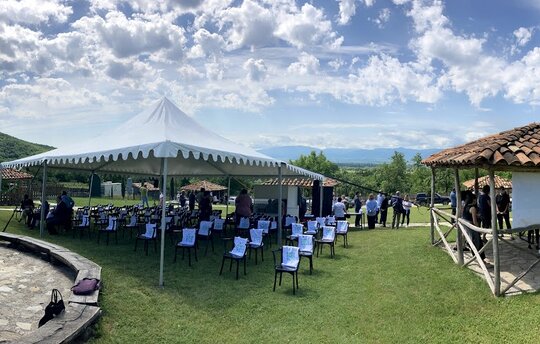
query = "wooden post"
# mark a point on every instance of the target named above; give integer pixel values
(90, 193)
(476, 188)
(432, 203)
(163, 220)
(228, 196)
(0, 184)
(280, 206)
(495, 233)
(459, 236)
(321, 194)
(43, 199)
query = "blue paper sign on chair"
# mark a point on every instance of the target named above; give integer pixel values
(244, 223)
(204, 228)
(239, 248)
(264, 225)
(297, 229)
(328, 233)
(150, 230)
(342, 226)
(291, 258)
(305, 243)
(188, 236)
(256, 236)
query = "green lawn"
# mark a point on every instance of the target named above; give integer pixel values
(388, 287)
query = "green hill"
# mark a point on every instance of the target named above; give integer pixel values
(12, 148)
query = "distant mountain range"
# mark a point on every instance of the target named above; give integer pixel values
(346, 155)
(12, 148)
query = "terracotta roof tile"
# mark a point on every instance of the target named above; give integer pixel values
(208, 186)
(306, 183)
(499, 182)
(9, 173)
(517, 147)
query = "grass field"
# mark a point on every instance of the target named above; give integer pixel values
(388, 287)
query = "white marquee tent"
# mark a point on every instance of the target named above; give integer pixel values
(162, 141)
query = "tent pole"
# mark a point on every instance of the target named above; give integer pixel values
(228, 196)
(321, 195)
(91, 185)
(432, 204)
(163, 213)
(280, 206)
(496, 260)
(459, 236)
(43, 199)
(0, 184)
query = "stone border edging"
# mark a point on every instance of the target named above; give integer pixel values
(81, 310)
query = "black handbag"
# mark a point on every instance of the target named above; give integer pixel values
(54, 308)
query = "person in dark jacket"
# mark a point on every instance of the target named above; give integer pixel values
(61, 215)
(384, 210)
(205, 207)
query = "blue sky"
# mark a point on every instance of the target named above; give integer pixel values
(345, 73)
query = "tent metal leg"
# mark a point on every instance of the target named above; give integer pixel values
(163, 220)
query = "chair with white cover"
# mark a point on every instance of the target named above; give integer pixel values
(149, 235)
(256, 242)
(238, 253)
(205, 233)
(312, 228)
(218, 228)
(321, 221)
(242, 228)
(328, 238)
(265, 226)
(132, 224)
(288, 262)
(189, 238)
(306, 243)
(296, 230)
(111, 228)
(330, 220)
(82, 226)
(342, 227)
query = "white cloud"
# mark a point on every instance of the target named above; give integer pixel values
(383, 18)
(523, 36)
(34, 11)
(256, 69)
(206, 44)
(347, 9)
(336, 64)
(307, 64)
(308, 27)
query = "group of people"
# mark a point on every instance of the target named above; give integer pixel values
(377, 209)
(60, 215)
(477, 211)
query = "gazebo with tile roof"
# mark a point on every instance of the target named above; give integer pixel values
(208, 186)
(515, 150)
(500, 183)
(20, 179)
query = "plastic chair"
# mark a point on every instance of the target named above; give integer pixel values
(149, 235)
(238, 253)
(288, 262)
(189, 238)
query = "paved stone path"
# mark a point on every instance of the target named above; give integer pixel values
(26, 281)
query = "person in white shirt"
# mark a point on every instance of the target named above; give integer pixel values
(407, 205)
(380, 198)
(339, 210)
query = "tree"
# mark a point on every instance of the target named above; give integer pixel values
(393, 176)
(419, 176)
(317, 163)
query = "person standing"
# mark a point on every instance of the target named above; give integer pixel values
(380, 198)
(383, 210)
(205, 207)
(371, 210)
(484, 207)
(503, 209)
(191, 201)
(144, 195)
(244, 205)
(182, 199)
(302, 207)
(357, 209)
(470, 214)
(397, 205)
(453, 202)
(27, 207)
(339, 210)
(407, 205)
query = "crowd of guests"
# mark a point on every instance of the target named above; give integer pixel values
(60, 215)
